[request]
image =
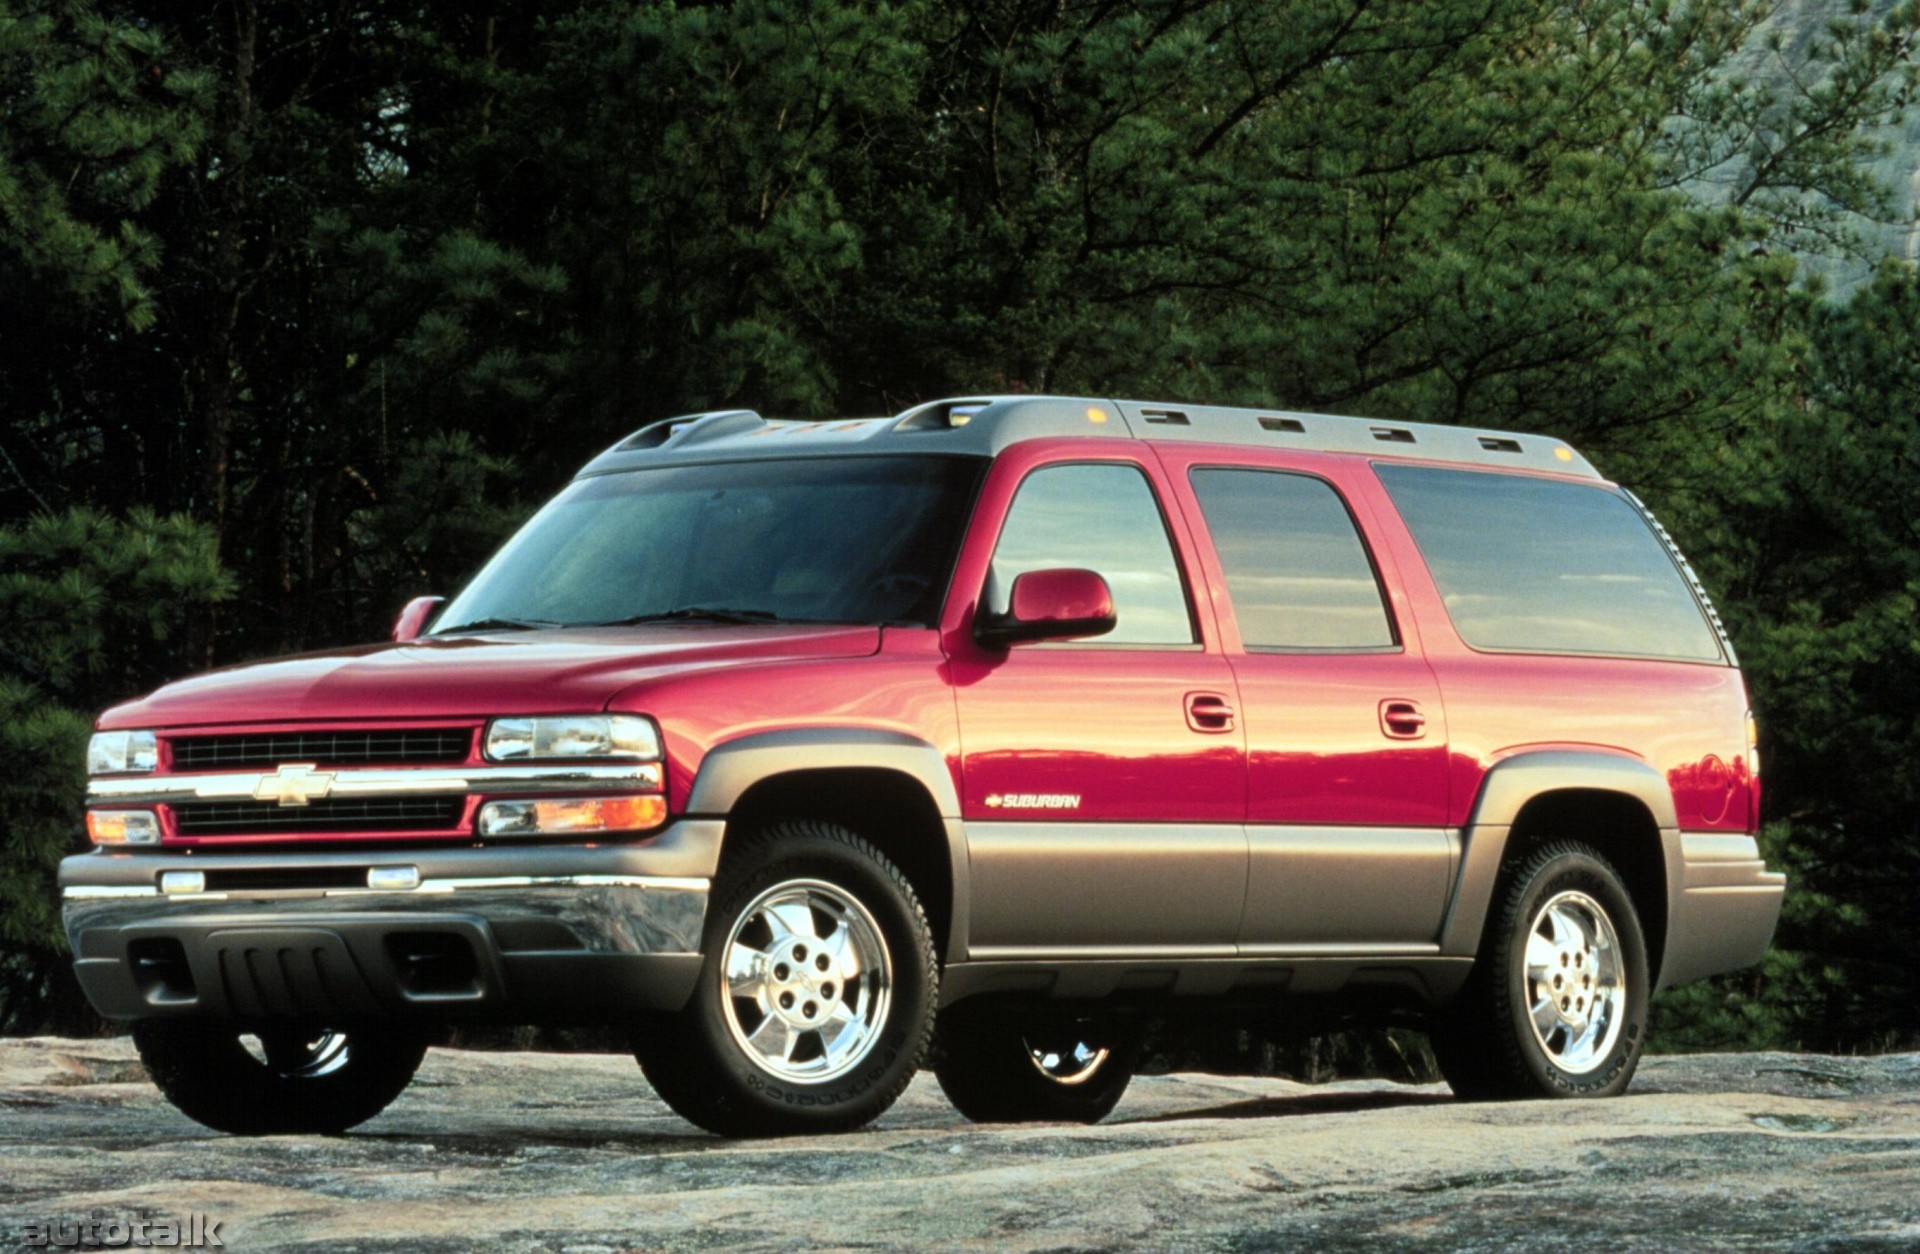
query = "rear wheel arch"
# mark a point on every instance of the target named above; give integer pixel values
(893, 790)
(1622, 829)
(1619, 805)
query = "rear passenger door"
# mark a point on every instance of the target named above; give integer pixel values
(1346, 737)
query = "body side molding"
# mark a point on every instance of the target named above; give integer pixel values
(1505, 792)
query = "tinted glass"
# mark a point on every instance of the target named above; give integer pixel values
(831, 539)
(1296, 569)
(1543, 566)
(1103, 519)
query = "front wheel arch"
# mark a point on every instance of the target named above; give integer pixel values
(893, 811)
(698, 1059)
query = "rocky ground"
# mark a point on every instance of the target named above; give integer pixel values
(543, 1152)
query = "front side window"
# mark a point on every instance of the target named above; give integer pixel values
(1102, 518)
(828, 539)
(1297, 572)
(1545, 566)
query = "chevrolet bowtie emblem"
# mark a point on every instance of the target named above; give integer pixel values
(294, 785)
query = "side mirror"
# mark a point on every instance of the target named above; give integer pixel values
(413, 619)
(1051, 605)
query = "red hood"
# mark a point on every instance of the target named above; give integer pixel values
(537, 672)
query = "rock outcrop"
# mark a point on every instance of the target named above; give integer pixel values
(550, 1152)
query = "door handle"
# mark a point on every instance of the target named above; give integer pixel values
(1209, 712)
(1401, 719)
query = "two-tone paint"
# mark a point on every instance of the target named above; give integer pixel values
(1088, 818)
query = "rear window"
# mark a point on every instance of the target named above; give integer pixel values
(1543, 566)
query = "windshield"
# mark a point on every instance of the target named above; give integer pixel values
(831, 539)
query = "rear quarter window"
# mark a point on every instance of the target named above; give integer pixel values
(1544, 566)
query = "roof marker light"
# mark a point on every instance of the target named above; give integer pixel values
(1095, 414)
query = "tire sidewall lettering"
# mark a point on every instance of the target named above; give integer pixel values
(1581, 877)
(857, 1085)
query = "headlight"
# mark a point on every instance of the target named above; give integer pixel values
(122, 753)
(627, 737)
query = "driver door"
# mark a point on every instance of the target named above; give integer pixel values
(1104, 779)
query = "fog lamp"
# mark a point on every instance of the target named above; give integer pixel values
(572, 816)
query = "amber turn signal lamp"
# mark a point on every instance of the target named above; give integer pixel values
(572, 815)
(123, 827)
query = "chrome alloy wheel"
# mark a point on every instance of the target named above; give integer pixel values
(299, 1055)
(1067, 1063)
(808, 981)
(1576, 988)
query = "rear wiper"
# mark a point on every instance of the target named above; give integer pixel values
(497, 624)
(703, 613)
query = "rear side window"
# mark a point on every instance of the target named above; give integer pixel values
(1103, 518)
(1296, 569)
(1543, 566)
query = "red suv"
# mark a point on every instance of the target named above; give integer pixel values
(776, 742)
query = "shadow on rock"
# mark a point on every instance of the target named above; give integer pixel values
(1304, 1104)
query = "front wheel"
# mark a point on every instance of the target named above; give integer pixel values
(816, 1001)
(996, 1067)
(279, 1079)
(1558, 1000)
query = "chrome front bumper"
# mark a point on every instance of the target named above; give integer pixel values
(520, 933)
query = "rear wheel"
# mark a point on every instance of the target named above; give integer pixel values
(1557, 1003)
(816, 1002)
(277, 1079)
(996, 1066)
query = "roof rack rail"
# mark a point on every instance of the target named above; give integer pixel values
(691, 429)
(986, 424)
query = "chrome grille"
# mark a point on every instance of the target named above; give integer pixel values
(346, 814)
(416, 745)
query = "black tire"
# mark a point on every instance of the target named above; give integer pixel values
(989, 1065)
(311, 1081)
(1486, 1042)
(699, 1059)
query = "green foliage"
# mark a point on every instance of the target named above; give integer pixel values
(95, 119)
(39, 824)
(1825, 571)
(1786, 132)
(350, 287)
(440, 519)
(91, 608)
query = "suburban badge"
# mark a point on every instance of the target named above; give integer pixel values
(1034, 801)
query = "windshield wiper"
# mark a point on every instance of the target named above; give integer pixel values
(702, 613)
(497, 624)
